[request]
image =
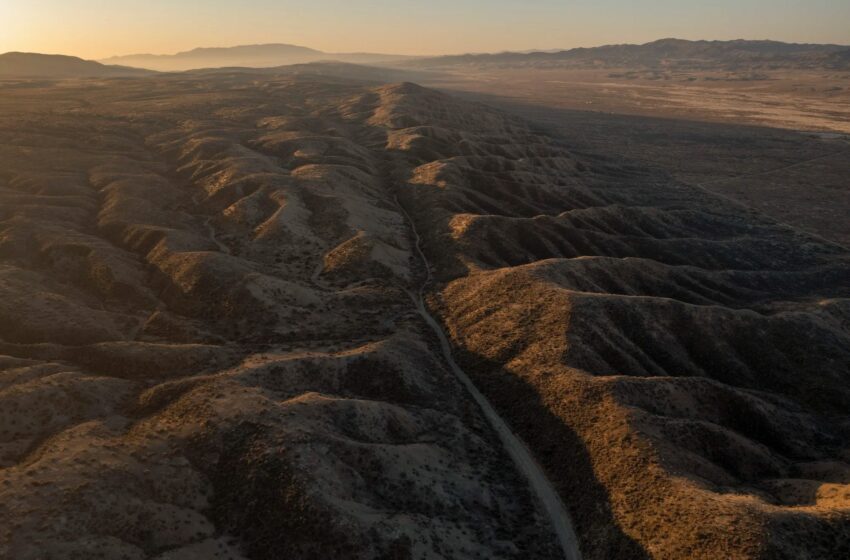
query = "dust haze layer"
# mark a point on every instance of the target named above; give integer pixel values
(249, 56)
(209, 348)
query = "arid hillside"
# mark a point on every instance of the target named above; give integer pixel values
(777, 141)
(212, 346)
(209, 348)
(678, 363)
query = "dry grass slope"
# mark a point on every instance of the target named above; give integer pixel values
(678, 363)
(207, 348)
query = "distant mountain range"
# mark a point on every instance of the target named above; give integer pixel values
(249, 56)
(33, 65)
(665, 53)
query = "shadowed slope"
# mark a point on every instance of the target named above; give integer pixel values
(208, 345)
(694, 353)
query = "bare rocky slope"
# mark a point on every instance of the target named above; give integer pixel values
(208, 347)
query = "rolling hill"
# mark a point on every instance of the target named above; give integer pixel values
(219, 319)
(34, 65)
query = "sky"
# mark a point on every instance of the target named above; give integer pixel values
(101, 28)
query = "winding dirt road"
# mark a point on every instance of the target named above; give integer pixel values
(518, 451)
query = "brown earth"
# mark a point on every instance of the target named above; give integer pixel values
(778, 142)
(678, 362)
(209, 349)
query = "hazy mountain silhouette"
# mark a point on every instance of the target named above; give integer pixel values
(252, 56)
(18, 64)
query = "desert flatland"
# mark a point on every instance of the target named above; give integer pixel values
(212, 343)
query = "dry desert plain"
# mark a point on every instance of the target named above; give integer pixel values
(777, 141)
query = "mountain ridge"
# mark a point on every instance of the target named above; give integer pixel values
(667, 53)
(24, 64)
(250, 56)
(203, 50)
(703, 54)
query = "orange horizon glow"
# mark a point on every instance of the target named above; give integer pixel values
(95, 30)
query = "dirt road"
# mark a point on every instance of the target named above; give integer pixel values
(540, 484)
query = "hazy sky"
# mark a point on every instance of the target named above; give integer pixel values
(100, 28)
